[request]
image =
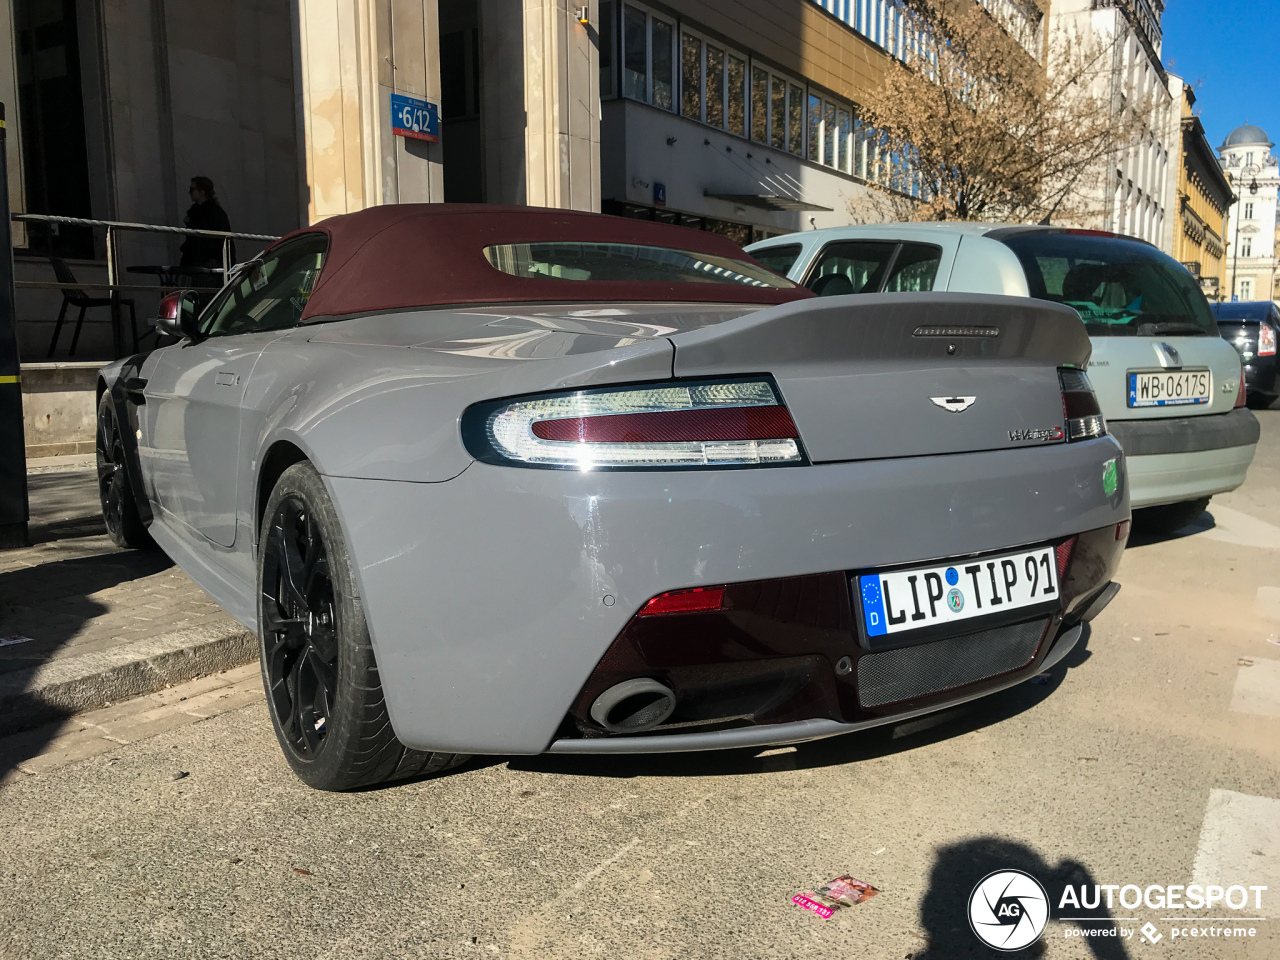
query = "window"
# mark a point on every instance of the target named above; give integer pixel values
(714, 86)
(759, 104)
(914, 268)
(778, 113)
(648, 72)
(691, 77)
(737, 82)
(1248, 211)
(779, 259)
(608, 27)
(635, 54)
(624, 262)
(664, 77)
(1119, 287)
(1246, 288)
(850, 266)
(831, 129)
(795, 120)
(269, 294)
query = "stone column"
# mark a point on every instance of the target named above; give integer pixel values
(351, 56)
(13, 127)
(542, 121)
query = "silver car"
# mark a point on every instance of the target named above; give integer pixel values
(508, 480)
(1169, 386)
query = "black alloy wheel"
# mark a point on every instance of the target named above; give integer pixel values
(299, 632)
(119, 509)
(323, 689)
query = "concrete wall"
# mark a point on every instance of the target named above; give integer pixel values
(58, 409)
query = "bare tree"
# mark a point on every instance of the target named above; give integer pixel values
(972, 127)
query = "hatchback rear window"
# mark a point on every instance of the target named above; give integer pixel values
(625, 262)
(1120, 288)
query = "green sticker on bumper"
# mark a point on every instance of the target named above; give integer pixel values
(1110, 479)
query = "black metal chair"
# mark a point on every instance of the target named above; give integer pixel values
(84, 302)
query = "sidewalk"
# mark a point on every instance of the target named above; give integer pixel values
(84, 624)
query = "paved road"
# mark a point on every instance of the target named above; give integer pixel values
(1151, 757)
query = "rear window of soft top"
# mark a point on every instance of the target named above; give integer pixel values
(1120, 288)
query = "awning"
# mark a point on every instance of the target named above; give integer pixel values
(766, 201)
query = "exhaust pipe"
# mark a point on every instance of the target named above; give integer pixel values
(633, 706)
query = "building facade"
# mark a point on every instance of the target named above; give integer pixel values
(1128, 193)
(1199, 198)
(1251, 254)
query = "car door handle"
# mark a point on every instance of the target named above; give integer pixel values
(226, 379)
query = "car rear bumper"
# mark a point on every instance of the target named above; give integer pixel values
(492, 597)
(1172, 459)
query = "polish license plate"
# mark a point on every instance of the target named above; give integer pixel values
(1170, 388)
(894, 601)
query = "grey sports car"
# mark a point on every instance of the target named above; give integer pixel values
(511, 481)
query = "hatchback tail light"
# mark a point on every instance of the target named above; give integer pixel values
(1266, 340)
(716, 423)
(1242, 393)
(1080, 405)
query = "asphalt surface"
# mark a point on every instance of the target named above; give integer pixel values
(1152, 756)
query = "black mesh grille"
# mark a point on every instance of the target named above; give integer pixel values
(928, 668)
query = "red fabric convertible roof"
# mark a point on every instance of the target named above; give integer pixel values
(422, 254)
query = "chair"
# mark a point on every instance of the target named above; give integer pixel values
(80, 299)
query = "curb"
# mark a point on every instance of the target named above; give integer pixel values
(54, 690)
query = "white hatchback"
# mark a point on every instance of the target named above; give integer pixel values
(1169, 386)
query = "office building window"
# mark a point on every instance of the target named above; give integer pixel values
(714, 78)
(635, 53)
(737, 83)
(608, 27)
(691, 77)
(778, 113)
(662, 42)
(648, 67)
(759, 104)
(795, 120)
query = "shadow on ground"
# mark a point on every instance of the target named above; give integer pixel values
(47, 598)
(957, 870)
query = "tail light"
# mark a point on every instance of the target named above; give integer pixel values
(1080, 405)
(720, 423)
(1242, 393)
(1266, 340)
(695, 600)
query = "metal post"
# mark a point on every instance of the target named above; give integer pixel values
(113, 270)
(13, 451)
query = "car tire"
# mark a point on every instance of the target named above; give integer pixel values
(318, 664)
(115, 493)
(1167, 518)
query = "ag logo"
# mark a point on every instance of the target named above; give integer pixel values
(1008, 910)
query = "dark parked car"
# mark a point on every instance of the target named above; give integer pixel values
(1254, 330)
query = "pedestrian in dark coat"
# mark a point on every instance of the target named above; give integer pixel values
(205, 213)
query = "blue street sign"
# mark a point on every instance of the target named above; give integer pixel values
(659, 194)
(411, 117)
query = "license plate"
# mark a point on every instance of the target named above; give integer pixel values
(1170, 389)
(894, 601)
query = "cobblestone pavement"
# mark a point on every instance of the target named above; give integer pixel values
(74, 592)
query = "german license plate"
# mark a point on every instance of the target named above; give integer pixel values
(894, 601)
(1170, 389)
